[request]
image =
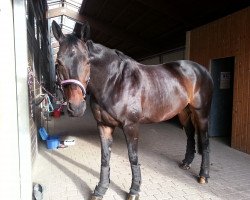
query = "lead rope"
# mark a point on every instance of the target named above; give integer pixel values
(48, 107)
(30, 82)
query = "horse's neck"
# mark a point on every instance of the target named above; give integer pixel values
(103, 66)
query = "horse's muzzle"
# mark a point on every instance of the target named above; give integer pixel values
(76, 110)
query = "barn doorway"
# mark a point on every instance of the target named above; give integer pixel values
(222, 71)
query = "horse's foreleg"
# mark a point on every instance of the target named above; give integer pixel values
(132, 133)
(106, 142)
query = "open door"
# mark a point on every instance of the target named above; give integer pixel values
(222, 71)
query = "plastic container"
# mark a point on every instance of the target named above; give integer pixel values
(57, 112)
(69, 142)
(51, 141)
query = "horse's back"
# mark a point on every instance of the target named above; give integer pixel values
(187, 68)
(190, 74)
(170, 87)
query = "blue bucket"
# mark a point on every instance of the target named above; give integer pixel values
(52, 141)
(43, 133)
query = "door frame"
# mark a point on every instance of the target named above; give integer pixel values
(233, 79)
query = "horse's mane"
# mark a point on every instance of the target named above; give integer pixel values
(112, 52)
(122, 56)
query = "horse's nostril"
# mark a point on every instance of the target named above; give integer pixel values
(71, 106)
(76, 110)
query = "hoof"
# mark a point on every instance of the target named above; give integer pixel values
(133, 197)
(96, 198)
(184, 166)
(202, 180)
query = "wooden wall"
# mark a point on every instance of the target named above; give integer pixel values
(228, 36)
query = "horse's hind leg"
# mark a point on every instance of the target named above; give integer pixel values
(186, 121)
(131, 133)
(201, 118)
(106, 142)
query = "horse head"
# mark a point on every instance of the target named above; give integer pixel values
(73, 67)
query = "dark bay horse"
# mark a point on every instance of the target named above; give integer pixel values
(125, 93)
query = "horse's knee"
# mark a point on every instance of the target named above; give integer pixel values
(132, 151)
(133, 158)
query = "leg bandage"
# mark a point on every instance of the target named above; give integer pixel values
(103, 185)
(136, 179)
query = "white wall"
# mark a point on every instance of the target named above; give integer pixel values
(9, 153)
(15, 167)
(177, 55)
(151, 61)
(21, 61)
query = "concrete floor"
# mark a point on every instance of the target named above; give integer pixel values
(72, 173)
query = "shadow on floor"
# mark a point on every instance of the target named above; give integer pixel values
(225, 140)
(76, 179)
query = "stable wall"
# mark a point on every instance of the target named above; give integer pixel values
(164, 57)
(38, 67)
(226, 37)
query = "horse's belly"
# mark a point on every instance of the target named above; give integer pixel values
(161, 112)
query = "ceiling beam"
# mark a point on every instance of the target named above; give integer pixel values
(104, 27)
(66, 12)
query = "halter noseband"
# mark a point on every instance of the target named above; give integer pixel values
(69, 81)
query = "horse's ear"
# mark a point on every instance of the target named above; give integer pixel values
(57, 31)
(85, 32)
